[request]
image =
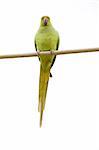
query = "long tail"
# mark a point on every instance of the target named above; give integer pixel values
(43, 84)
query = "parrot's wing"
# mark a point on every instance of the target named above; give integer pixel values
(57, 46)
(35, 44)
(36, 47)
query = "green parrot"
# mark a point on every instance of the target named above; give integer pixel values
(46, 39)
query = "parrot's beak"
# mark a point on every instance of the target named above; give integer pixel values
(45, 21)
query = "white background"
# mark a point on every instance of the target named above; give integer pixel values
(71, 117)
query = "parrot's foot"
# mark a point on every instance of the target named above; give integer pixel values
(51, 75)
(38, 51)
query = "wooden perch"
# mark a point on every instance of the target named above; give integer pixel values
(63, 52)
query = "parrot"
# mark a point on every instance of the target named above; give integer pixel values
(46, 39)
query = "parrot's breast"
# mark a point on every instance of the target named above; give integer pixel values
(46, 40)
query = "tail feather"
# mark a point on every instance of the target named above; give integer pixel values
(41, 116)
(43, 84)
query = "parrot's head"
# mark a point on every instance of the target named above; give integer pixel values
(45, 21)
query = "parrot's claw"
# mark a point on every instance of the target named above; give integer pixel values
(38, 51)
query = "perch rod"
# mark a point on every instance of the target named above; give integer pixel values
(35, 54)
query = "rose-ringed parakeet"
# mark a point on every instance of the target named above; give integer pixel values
(46, 39)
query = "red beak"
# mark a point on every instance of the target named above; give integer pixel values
(45, 21)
